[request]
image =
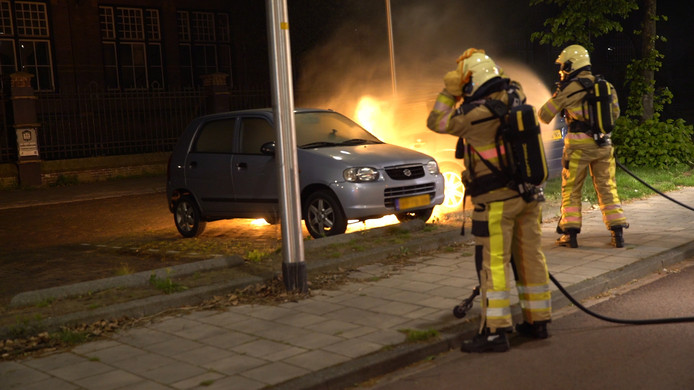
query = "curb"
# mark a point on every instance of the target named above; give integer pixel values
(133, 280)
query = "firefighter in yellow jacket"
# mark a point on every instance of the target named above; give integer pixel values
(583, 150)
(505, 225)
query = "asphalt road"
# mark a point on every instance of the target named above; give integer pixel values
(582, 352)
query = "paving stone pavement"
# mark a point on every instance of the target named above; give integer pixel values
(339, 337)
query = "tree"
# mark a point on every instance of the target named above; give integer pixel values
(645, 102)
(580, 21)
(647, 47)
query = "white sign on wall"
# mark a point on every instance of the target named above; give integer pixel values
(26, 143)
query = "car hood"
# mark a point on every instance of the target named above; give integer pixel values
(372, 155)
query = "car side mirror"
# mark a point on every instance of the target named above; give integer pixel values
(268, 148)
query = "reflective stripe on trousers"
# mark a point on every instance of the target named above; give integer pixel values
(504, 228)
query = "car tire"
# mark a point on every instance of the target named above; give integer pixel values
(323, 215)
(423, 214)
(187, 217)
(272, 219)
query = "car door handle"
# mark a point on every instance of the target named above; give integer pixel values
(242, 165)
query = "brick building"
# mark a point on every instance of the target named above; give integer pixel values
(115, 77)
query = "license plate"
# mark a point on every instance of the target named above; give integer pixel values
(411, 202)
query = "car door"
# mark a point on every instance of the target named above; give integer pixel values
(254, 174)
(209, 166)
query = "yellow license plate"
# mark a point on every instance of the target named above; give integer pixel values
(411, 202)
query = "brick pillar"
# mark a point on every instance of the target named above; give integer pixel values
(215, 85)
(26, 126)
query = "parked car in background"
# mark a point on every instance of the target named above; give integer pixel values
(224, 166)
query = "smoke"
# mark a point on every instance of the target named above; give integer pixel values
(350, 71)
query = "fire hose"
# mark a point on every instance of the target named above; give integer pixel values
(461, 310)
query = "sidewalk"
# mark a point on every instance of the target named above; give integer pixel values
(337, 338)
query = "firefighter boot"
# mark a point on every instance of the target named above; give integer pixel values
(569, 237)
(535, 330)
(617, 237)
(487, 341)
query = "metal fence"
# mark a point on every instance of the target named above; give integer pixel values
(92, 124)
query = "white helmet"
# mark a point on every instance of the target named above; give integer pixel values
(571, 59)
(477, 69)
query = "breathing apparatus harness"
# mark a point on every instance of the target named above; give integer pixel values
(597, 103)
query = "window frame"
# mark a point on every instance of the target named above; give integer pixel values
(209, 32)
(26, 26)
(125, 29)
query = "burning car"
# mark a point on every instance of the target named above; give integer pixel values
(224, 166)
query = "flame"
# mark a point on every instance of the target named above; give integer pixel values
(357, 226)
(374, 115)
(259, 222)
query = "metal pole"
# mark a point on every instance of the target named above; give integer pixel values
(293, 265)
(390, 47)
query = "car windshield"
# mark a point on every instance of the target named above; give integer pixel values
(322, 129)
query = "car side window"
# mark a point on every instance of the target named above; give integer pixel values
(216, 137)
(254, 133)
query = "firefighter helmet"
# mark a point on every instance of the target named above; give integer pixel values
(477, 70)
(571, 59)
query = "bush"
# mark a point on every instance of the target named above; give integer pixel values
(653, 143)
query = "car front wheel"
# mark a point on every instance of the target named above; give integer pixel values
(324, 215)
(187, 217)
(423, 214)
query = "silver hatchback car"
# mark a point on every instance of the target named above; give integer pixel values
(224, 166)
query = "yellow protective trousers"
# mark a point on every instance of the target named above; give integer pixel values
(503, 230)
(576, 163)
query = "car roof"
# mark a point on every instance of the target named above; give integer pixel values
(266, 111)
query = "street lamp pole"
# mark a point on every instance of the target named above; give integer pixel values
(293, 264)
(390, 47)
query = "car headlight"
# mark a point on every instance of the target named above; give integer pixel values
(433, 167)
(359, 174)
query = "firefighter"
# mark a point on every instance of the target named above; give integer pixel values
(504, 224)
(583, 151)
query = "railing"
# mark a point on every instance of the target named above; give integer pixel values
(92, 124)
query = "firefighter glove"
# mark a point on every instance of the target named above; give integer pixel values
(453, 83)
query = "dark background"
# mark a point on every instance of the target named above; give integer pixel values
(340, 45)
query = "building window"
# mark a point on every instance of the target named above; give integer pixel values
(131, 42)
(25, 42)
(204, 45)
